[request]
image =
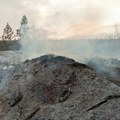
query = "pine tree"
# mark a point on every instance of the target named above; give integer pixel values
(24, 26)
(18, 33)
(7, 33)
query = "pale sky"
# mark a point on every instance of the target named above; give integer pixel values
(61, 18)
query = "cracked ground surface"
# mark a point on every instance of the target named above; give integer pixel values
(58, 88)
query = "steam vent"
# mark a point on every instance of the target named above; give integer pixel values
(57, 88)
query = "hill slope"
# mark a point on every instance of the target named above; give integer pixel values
(57, 88)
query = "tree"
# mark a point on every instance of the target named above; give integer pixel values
(24, 27)
(117, 33)
(18, 33)
(7, 33)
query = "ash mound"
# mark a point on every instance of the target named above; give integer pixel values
(57, 88)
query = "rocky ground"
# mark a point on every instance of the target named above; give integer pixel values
(57, 88)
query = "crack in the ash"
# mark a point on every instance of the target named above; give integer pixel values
(32, 114)
(21, 112)
(110, 97)
(17, 100)
(23, 116)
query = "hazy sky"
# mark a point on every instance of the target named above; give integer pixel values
(61, 18)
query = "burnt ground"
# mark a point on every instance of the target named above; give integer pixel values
(57, 88)
(108, 68)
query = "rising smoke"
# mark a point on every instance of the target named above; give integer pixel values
(98, 54)
(80, 19)
(54, 21)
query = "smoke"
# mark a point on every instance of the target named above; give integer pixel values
(101, 55)
(54, 21)
(36, 43)
(81, 18)
(76, 24)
